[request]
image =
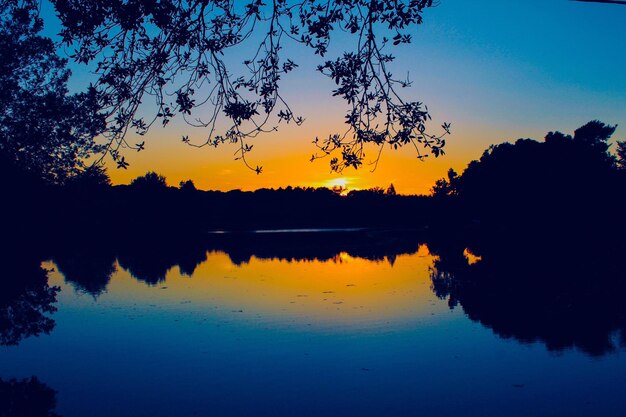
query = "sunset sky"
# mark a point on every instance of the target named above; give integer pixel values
(496, 70)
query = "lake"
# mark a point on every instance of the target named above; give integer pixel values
(273, 332)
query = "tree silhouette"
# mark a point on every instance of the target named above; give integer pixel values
(177, 53)
(187, 186)
(621, 154)
(150, 181)
(43, 129)
(565, 180)
(94, 177)
(446, 187)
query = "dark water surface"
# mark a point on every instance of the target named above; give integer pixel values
(287, 336)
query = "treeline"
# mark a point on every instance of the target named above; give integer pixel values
(148, 206)
(545, 218)
(565, 185)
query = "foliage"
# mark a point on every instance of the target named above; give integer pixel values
(561, 161)
(565, 183)
(178, 53)
(92, 177)
(150, 181)
(621, 154)
(43, 129)
(446, 187)
(187, 186)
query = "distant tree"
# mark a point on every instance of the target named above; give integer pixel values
(531, 185)
(339, 189)
(376, 190)
(43, 129)
(446, 187)
(91, 178)
(621, 154)
(187, 186)
(535, 164)
(391, 190)
(150, 181)
(176, 52)
(595, 135)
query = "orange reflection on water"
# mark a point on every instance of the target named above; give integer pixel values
(343, 291)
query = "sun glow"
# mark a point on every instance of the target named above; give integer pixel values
(337, 183)
(341, 185)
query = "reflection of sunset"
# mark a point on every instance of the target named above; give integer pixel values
(342, 291)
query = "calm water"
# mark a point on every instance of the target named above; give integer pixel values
(288, 337)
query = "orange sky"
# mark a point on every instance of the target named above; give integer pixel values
(284, 156)
(517, 71)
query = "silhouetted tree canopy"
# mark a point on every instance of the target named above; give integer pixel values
(92, 178)
(180, 54)
(562, 180)
(149, 181)
(621, 155)
(43, 129)
(187, 186)
(446, 187)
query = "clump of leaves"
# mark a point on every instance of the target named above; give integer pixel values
(176, 52)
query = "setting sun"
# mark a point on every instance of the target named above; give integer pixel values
(338, 183)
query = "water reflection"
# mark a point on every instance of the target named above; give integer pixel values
(26, 398)
(87, 269)
(529, 291)
(255, 324)
(26, 299)
(342, 291)
(522, 290)
(565, 294)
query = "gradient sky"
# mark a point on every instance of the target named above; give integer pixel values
(496, 70)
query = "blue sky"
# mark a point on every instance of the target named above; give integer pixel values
(496, 70)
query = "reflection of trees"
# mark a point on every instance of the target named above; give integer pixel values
(149, 261)
(88, 271)
(26, 398)
(320, 246)
(25, 301)
(90, 266)
(531, 290)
